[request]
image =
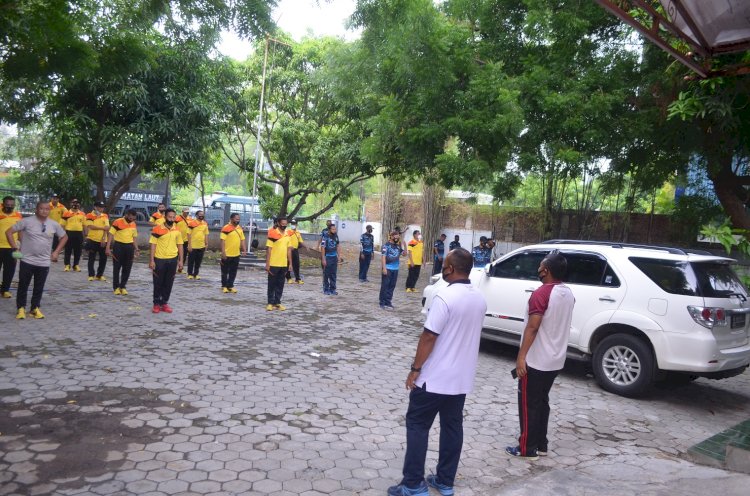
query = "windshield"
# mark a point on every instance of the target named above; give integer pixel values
(707, 279)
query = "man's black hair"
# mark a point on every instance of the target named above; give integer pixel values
(233, 215)
(169, 210)
(8, 198)
(461, 260)
(556, 263)
(131, 211)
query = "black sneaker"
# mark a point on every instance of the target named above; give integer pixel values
(515, 452)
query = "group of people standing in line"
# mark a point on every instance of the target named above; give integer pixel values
(393, 249)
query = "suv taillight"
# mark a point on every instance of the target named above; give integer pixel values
(708, 317)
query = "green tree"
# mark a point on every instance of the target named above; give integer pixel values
(309, 138)
(163, 119)
(44, 42)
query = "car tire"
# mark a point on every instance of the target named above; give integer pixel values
(623, 364)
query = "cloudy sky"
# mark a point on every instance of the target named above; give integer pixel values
(300, 18)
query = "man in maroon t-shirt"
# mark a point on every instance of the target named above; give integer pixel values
(542, 355)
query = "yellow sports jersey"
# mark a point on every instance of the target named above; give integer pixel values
(56, 213)
(123, 231)
(279, 248)
(6, 221)
(232, 237)
(73, 220)
(97, 221)
(198, 233)
(294, 238)
(166, 241)
(416, 248)
(182, 224)
(157, 218)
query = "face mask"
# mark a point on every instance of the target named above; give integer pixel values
(168, 223)
(540, 275)
(200, 217)
(8, 210)
(444, 273)
(419, 238)
(282, 227)
(235, 222)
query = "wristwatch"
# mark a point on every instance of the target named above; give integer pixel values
(414, 369)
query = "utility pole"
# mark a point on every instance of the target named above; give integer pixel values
(256, 207)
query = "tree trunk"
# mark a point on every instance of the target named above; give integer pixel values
(548, 207)
(725, 186)
(432, 208)
(122, 186)
(390, 207)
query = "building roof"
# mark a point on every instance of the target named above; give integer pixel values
(708, 27)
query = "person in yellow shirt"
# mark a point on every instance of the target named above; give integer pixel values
(95, 230)
(415, 251)
(73, 221)
(232, 244)
(295, 242)
(157, 218)
(197, 243)
(181, 221)
(56, 211)
(165, 260)
(278, 260)
(122, 246)
(8, 217)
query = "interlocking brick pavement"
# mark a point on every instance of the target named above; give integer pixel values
(222, 397)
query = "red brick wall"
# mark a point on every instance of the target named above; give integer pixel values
(523, 225)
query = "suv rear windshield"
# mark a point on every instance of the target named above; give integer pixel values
(707, 279)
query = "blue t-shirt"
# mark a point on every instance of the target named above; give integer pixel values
(440, 246)
(454, 245)
(329, 244)
(368, 242)
(391, 253)
(482, 256)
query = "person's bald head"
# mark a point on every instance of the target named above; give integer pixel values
(458, 264)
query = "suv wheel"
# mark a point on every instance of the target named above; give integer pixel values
(623, 364)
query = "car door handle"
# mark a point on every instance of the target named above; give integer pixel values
(530, 290)
(607, 298)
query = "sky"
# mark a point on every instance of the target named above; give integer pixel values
(299, 18)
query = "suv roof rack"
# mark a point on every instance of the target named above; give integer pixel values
(614, 244)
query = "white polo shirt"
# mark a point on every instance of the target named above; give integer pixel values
(554, 301)
(456, 316)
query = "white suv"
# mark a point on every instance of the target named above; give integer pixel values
(642, 313)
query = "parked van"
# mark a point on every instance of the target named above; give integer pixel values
(218, 203)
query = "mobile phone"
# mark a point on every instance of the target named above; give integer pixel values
(514, 373)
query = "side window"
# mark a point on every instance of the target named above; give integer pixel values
(585, 269)
(522, 266)
(610, 278)
(673, 276)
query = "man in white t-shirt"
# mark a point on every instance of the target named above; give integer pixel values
(441, 375)
(542, 355)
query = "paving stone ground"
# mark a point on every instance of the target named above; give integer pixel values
(222, 397)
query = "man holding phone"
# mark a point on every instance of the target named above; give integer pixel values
(451, 335)
(542, 354)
